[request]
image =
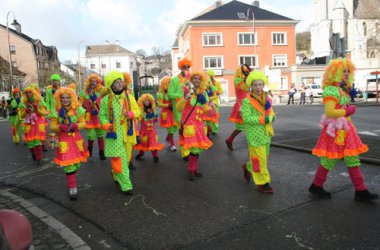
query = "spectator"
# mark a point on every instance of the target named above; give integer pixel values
(303, 94)
(291, 93)
(309, 93)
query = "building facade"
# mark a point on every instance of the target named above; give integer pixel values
(235, 33)
(29, 55)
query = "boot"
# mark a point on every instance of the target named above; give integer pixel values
(155, 156)
(139, 155)
(365, 196)
(102, 156)
(89, 150)
(314, 189)
(72, 185)
(33, 152)
(90, 144)
(266, 188)
(246, 174)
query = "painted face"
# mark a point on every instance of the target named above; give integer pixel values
(257, 87)
(93, 83)
(146, 103)
(346, 74)
(196, 80)
(185, 71)
(118, 85)
(17, 95)
(29, 95)
(65, 100)
(55, 84)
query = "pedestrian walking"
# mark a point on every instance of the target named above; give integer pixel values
(192, 129)
(292, 91)
(337, 141)
(90, 99)
(148, 133)
(241, 90)
(67, 119)
(14, 119)
(258, 116)
(166, 115)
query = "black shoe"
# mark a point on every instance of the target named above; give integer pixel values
(90, 150)
(156, 159)
(128, 192)
(138, 157)
(191, 176)
(186, 158)
(314, 189)
(365, 196)
(131, 166)
(102, 156)
(197, 174)
(229, 145)
(34, 157)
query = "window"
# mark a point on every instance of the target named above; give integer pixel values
(364, 28)
(279, 38)
(103, 65)
(215, 62)
(118, 64)
(247, 38)
(280, 60)
(92, 65)
(12, 49)
(212, 39)
(37, 50)
(251, 61)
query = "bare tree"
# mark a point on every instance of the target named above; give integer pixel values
(303, 41)
(141, 53)
(158, 52)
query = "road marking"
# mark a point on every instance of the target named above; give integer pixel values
(367, 133)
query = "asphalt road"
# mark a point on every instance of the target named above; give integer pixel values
(219, 210)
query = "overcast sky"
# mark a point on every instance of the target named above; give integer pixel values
(137, 24)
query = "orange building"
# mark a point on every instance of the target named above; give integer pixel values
(226, 36)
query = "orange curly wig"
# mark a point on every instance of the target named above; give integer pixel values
(35, 91)
(148, 97)
(73, 97)
(184, 62)
(98, 80)
(204, 78)
(164, 84)
(334, 72)
(127, 79)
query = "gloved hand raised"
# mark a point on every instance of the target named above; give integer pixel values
(201, 98)
(350, 110)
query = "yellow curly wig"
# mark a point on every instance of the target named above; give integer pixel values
(164, 84)
(239, 73)
(72, 86)
(184, 62)
(148, 97)
(69, 91)
(204, 78)
(334, 72)
(98, 80)
(127, 79)
(35, 91)
(256, 75)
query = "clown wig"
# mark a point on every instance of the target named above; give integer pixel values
(16, 90)
(98, 80)
(239, 71)
(32, 89)
(184, 62)
(127, 80)
(256, 75)
(147, 97)
(334, 72)
(204, 80)
(68, 91)
(164, 84)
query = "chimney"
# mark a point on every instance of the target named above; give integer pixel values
(256, 4)
(218, 4)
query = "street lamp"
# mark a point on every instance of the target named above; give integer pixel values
(16, 24)
(245, 16)
(79, 77)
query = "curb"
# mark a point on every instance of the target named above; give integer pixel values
(73, 240)
(308, 150)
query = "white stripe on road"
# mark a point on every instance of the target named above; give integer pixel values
(367, 133)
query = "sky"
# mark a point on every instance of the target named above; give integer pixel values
(135, 24)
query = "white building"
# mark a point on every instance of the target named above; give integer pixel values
(348, 27)
(104, 58)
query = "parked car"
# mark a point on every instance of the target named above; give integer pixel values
(316, 90)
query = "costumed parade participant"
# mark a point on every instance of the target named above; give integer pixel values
(33, 110)
(258, 116)
(175, 93)
(166, 115)
(50, 90)
(339, 139)
(148, 133)
(90, 99)
(67, 119)
(215, 99)
(192, 131)
(114, 116)
(133, 132)
(211, 117)
(241, 90)
(14, 118)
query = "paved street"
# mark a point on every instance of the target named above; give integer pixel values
(218, 211)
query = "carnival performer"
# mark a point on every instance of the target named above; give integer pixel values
(211, 117)
(345, 144)
(50, 90)
(14, 118)
(193, 135)
(90, 98)
(114, 116)
(148, 133)
(166, 115)
(258, 116)
(241, 90)
(32, 109)
(175, 93)
(215, 99)
(66, 120)
(133, 132)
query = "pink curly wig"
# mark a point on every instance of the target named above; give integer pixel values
(70, 92)
(334, 72)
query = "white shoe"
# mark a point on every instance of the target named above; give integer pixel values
(173, 148)
(73, 192)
